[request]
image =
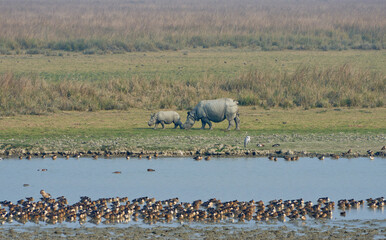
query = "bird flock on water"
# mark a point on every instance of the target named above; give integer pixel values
(122, 210)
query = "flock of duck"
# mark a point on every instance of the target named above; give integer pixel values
(121, 210)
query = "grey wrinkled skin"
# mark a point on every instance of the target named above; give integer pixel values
(165, 117)
(217, 110)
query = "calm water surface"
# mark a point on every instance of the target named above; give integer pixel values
(223, 178)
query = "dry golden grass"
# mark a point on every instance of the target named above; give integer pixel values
(307, 87)
(173, 24)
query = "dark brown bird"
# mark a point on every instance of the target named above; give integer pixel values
(44, 194)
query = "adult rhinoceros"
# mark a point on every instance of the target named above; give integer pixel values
(214, 110)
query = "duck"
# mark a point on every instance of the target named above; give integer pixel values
(117, 172)
(95, 157)
(207, 158)
(128, 157)
(197, 158)
(383, 148)
(29, 157)
(44, 194)
(156, 155)
(148, 157)
(54, 157)
(321, 158)
(371, 157)
(271, 157)
(335, 156)
(150, 170)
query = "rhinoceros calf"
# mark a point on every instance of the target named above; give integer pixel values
(165, 117)
(216, 111)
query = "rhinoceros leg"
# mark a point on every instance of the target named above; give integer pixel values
(230, 124)
(206, 121)
(210, 125)
(178, 123)
(203, 124)
(163, 125)
(155, 125)
(237, 121)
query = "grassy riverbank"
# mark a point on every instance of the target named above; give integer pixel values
(316, 131)
(37, 84)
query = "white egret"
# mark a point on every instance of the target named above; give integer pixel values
(247, 140)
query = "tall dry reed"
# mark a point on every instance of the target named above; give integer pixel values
(120, 25)
(307, 87)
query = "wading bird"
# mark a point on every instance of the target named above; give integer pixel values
(246, 141)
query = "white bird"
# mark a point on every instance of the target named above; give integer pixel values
(247, 140)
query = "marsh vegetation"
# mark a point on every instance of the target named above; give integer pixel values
(122, 26)
(306, 87)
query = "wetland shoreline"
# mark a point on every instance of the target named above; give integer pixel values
(343, 230)
(334, 145)
(23, 153)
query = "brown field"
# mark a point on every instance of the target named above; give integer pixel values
(174, 24)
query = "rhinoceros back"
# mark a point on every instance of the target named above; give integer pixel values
(168, 116)
(217, 110)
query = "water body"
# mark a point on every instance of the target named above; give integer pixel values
(222, 178)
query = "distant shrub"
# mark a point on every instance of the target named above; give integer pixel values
(248, 100)
(33, 51)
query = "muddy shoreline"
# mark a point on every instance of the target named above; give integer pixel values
(24, 153)
(303, 145)
(374, 229)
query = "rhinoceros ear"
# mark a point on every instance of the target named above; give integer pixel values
(190, 114)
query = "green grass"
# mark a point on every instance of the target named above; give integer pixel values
(319, 130)
(190, 64)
